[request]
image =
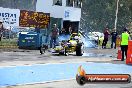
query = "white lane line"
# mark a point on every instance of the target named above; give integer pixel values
(55, 64)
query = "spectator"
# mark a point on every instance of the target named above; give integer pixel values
(113, 38)
(54, 35)
(124, 43)
(70, 2)
(70, 29)
(63, 31)
(1, 29)
(106, 35)
(131, 34)
(58, 3)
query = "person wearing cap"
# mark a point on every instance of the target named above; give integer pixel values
(124, 43)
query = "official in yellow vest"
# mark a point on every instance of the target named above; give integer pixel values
(124, 43)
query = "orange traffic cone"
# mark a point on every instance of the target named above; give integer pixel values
(129, 53)
(129, 57)
(119, 55)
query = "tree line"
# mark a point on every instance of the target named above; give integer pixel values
(98, 14)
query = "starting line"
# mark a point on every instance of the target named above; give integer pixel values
(19, 75)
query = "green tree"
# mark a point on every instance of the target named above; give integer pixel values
(97, 14)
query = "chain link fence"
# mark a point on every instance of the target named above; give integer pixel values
(8, 40)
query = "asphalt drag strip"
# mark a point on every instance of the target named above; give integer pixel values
(42, 73)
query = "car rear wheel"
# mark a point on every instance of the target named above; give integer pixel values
(42, 50)
(65, 52)
(79, 49)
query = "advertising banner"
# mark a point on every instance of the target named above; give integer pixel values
(34, 19)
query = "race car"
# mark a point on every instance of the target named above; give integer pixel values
(71, 45)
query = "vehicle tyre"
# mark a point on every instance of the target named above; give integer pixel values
(66, 53)
(79, 49)
(42, 50)
(61, 53)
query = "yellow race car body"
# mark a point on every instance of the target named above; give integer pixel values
(69, 46)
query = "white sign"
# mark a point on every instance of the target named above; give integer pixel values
(67, 14)
(72, 14)
(10, 17)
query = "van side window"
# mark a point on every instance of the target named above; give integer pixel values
(57, 2)
(74, 3)
(69, 3)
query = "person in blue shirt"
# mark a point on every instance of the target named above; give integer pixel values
(113, 38)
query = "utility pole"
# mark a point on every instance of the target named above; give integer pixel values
(117, 5)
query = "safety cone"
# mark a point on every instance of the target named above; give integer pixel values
(129, 57)
(129, 53)
(119, 55)
(129, 61)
